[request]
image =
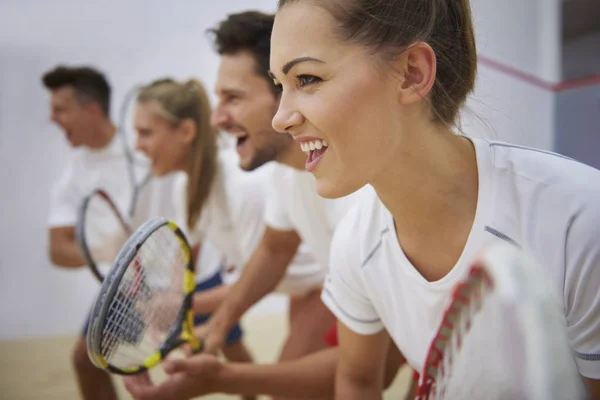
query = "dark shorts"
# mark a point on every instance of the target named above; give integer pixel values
(236, 333)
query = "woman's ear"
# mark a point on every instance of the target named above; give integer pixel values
(188, 131)
(416, 68)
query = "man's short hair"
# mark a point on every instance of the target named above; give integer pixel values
(247, 31)
(88, 83)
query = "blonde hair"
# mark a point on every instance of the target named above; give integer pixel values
(177, 102)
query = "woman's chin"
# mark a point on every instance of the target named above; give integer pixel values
(158, 172)
(332, 189)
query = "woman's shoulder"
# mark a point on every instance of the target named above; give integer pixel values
(360, 227)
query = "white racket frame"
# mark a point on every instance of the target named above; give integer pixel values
(516, 279)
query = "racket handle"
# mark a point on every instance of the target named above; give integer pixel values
(198, 349)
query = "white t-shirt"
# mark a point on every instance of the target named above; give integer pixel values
(545, 203)
(107, 169)
(293, 204)
(232, 220)
(90, 169)
(155, 198)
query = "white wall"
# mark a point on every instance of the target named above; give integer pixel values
(506, 108)
(139, 40)
(524, 36)
(521, 33)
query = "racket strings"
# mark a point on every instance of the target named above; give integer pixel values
(153, 270)
(148, 300)
(128, 331)
(104, 230)
(120, 303)
(134, 325)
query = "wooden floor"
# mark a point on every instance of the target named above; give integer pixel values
(37, 369)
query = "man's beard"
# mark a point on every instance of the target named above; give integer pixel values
(273, 152)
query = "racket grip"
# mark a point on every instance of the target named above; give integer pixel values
(198, 349)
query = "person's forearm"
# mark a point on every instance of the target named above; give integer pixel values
(593, 387)
(261, 275)
(346, 389)
(311, 377)
(66, 255)
(206, 302)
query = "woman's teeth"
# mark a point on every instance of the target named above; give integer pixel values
(313, 145)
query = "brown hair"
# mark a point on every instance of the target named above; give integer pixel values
(189, 101)
(388, 27)
(88, 83)
(247, 31)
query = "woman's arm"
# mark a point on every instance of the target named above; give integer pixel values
(207, 301)
(361, 366)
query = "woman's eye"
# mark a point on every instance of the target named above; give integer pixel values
(306, 80)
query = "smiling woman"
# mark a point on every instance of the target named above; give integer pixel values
(382, 83)
(173, 121)
(355, 66)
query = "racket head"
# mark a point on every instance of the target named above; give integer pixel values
(138, 165)
(131, 328)
(100, 232)
(507, 313)
(126, 129)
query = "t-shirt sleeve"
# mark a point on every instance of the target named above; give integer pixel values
(276, 214)
(582, 290)
(344, 293)
(65, 199)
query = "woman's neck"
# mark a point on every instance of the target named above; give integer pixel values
(431, 191)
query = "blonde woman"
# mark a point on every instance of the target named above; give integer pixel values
(382, 83)
(172, 121)
(220, 203)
